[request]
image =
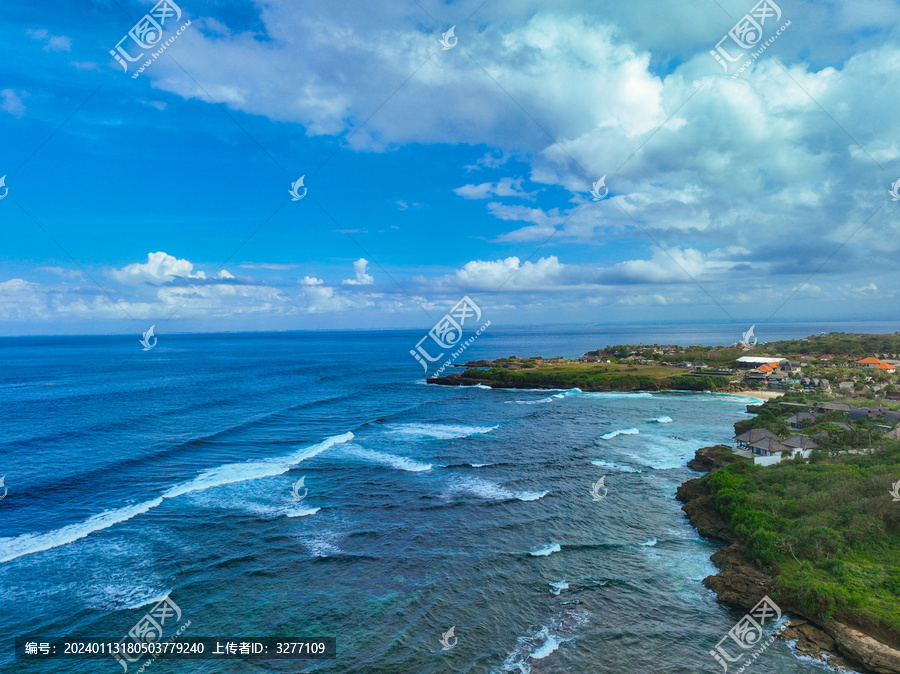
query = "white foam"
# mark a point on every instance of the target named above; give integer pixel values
(531, 495)
(319, 547)
(546, 550)
(549, 636)
(493, 491)
(442, 431)
(664, 419)
(155, 599)
(253, 470)
(480, 465)
(626, 431)
(559, 586)
(650, 542)
(392, 460)
(550, 645)
(482, 386)
(302, 512)
(26, 544)
(615, 466)
(531, 402)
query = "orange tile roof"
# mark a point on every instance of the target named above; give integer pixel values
(869, 361)
(884, 366)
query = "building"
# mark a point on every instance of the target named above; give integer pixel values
(765, 448)
(751, 362)
(876, 364)
(831, 407)
(798, 420)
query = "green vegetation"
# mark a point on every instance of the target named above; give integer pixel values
(840, 344)
(596, 377)
(824, 428)
(827, 529)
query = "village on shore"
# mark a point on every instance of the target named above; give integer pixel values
(849, 393)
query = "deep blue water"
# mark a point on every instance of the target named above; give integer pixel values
(133, 475)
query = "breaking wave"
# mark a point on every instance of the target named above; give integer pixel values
(392, 460)
(615, 466)
(26, 544)
(546, 550)
(627, 431)
(442, 431)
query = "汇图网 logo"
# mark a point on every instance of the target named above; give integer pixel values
(596, 487)
(448, 640)
(747, 34)
(448, 332)
(745, 338)
(449, 39)
(748, 632)
(596, 193)
(295, 187)
(894, 191)
(295, 490)
(895, 489)
(147, 337)
(147, 34)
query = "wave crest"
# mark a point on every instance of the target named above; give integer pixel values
(546, 550)
(626, 431)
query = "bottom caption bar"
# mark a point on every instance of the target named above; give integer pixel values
(208, 648)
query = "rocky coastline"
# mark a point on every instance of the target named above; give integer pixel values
(741, 583)
(461, 379)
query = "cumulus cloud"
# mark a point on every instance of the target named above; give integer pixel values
(160, 267)
(693, 155)
(362, 278)
(20, 300)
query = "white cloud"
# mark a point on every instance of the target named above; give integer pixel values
(311, 281)
(506, 187)
(362, 278)
(51, 42)
(159, 268)
(85, 65)
(20, 300)
(11, 102)
(62, 273)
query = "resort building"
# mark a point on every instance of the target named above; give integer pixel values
(765, 448)
(876, 364)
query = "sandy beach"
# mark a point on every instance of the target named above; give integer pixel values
(760, 395)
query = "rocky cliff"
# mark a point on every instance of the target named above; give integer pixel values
(742, 584)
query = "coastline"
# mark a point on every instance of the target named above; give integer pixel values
(759, 395)
(741, 583)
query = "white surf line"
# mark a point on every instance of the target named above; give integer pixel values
(27, 544)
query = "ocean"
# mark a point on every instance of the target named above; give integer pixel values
(313, 485)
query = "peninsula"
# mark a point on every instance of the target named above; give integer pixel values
(807, 500)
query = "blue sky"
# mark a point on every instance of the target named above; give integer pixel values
(436, 173)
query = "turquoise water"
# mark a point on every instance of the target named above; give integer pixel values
(135, 475)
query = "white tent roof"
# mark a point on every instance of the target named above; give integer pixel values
(760, 359)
